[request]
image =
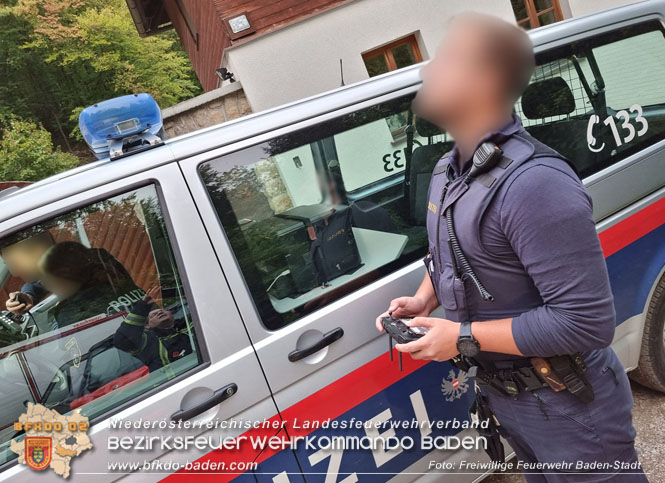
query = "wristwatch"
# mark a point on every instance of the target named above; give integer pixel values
(466, 344)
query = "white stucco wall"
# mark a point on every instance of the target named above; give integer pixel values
(584, 7)
(303, 59)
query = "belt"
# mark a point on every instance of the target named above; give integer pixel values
(558, 373)
(509, 382)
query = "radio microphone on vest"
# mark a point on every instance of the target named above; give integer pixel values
(485, 158)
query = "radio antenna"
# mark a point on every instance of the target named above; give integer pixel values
(341, 71)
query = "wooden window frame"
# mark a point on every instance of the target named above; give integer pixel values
(533, 15)
(386, 50)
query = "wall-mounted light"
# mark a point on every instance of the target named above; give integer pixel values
(224, 74)
(238, 25)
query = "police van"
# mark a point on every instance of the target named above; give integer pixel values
(272, 242)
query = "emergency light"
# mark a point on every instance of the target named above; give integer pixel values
(121, 126)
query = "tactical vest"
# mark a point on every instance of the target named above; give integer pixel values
(469, 203)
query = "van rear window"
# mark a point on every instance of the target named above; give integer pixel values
(600, 99)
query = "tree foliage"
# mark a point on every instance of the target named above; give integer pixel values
(62, 55)
(27, 153)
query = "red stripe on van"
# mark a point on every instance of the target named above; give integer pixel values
(632, 228)
(329, 402)
(342, 395)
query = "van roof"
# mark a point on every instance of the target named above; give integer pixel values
(104, 171)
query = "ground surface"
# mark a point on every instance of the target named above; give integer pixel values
(649, 420)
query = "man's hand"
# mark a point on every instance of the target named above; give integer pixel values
(404, 307)
(19, 307)
(151, 295)
(440, 342)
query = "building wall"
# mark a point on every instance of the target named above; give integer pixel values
(296, 47)
(214, 107)
(212, 37)
(303, 59)
(585, 7)
(207, 15)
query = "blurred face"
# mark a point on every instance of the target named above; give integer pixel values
(22, 260)
(457, 78)
(160, 319)
(333, 190)
(61, 287)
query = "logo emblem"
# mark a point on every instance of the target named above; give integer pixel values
(37, 452)
(454, 386)
(51, 439)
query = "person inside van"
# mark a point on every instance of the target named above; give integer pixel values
(364, 214)
(22, 260)
(86, 281)
(152, 334)
(333, 249)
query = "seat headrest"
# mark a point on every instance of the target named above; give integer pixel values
(546, 98)
(426, 129)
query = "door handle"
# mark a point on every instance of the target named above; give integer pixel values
(327, 339)
(218, 396)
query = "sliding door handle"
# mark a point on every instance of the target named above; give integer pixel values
(325, 341)
(218, 396)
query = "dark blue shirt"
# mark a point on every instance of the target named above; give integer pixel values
(535, 249)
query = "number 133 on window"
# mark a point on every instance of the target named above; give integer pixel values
(621, 120)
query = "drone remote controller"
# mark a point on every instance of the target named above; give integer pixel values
(22, 298)
(400, 332)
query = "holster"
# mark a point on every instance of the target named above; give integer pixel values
(481, 411)
(571, 370)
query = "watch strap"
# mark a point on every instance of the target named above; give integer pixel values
(465, 331)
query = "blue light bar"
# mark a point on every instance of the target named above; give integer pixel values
(122, 125)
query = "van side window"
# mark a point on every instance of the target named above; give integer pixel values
(318, 213)
(599, 100)
(108, 318)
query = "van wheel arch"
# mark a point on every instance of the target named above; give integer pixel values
(650, 370)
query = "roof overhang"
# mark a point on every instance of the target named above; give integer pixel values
(149, 16)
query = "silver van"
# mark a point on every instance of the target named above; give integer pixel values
(276, 239)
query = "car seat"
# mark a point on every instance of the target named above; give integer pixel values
(553, 97)
(419, 169)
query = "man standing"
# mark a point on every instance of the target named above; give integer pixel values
(519, 272)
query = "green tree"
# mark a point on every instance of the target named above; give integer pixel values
(105, 39)
(27, 154)
(62, 55)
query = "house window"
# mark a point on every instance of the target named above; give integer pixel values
(395, 55)
(536, 13)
